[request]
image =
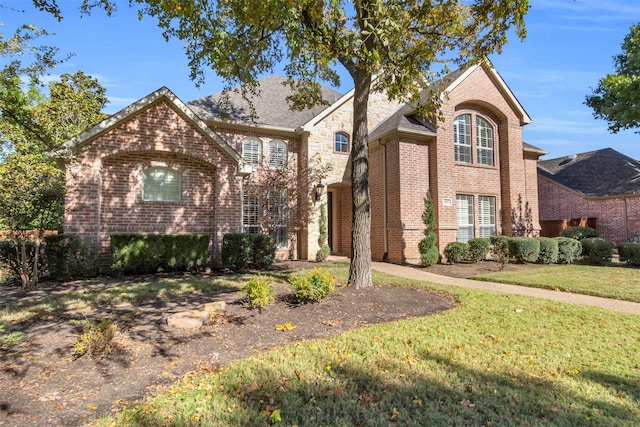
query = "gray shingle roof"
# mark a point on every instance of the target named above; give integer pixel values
(598, 173)
(271, 106)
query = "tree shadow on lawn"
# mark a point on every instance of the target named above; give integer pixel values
(352, 395)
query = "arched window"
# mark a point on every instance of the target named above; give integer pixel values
(341, 142)
(252, 151)
(484, 141)
(161, 185)
(277, 154)
(462, 138)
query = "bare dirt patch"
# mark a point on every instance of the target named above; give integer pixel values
(42, 385)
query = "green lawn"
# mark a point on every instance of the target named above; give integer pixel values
(610, 282)
(496, 360)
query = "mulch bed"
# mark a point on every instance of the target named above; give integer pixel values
(42, 385)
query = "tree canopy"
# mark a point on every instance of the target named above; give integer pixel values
(617, 97)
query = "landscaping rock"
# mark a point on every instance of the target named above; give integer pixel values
(214, 306)
(190, 319)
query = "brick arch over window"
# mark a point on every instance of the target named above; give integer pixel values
(476, 134)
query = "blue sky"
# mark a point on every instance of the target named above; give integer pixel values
(570, 45)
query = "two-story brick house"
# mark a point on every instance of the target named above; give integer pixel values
(163, 166)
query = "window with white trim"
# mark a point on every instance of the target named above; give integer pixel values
(462, 138)
(251, 211)
(464, 217)
(278, 215)
(341, 142)
(487, 216)
(484, 141)
(277, 154)
(161, 185)
(252, 151)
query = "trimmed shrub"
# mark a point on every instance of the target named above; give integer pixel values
(259, 292)
(478, 249)
(597, 250)
(236, 250)
(579, 233)
(312, 286)
(324, 251)
(500, 249)
(263, 250)
(456, 252)
(524, 249)
(429, 253)
(629, 253)
(548, 250)
(67, 256)
(569, 250)
(152, 253)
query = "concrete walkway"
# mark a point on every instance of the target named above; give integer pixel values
(419, 274)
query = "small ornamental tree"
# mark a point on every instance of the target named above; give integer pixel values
(427, 246)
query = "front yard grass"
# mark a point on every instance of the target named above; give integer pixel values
(496, 360)
(621, 283)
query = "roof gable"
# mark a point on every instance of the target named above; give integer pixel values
(599, 173)
(453, 80)
(161, 94)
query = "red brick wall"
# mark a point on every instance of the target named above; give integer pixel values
(617, 218)
(104, 188)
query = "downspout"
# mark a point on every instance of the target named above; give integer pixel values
(385, 256)
(626, 220)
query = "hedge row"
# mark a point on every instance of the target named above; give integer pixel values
(152, 253)
(543, 250)
(240, 250)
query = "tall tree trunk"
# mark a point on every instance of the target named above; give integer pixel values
(360, 268)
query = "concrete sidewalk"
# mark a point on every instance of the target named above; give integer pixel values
(420, 274)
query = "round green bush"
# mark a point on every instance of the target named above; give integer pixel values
(569, 250)
(259, 292)
(597, 250)
(456, 252)
(548, 250)
(629, 253)
(313, 286)
(579, 233)
(524, 249)
(478, 249)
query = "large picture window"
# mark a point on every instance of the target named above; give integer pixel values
(277, 154)
(252, 151)
(161, 185)
(251, 210)
(487, 216)
(462, 138)
(464, 217)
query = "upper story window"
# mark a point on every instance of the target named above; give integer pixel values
(468, 127)
(484, 138)
(341, 142)
(462, 138)
(277, 154)
(252, 151)
(161, 185)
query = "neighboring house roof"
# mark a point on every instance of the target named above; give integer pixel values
(599, 173)
(162, 93)
(270, 106)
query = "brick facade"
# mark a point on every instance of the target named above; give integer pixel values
(105, 181)
(617, 218)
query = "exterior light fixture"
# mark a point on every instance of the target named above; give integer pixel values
(317, 191)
